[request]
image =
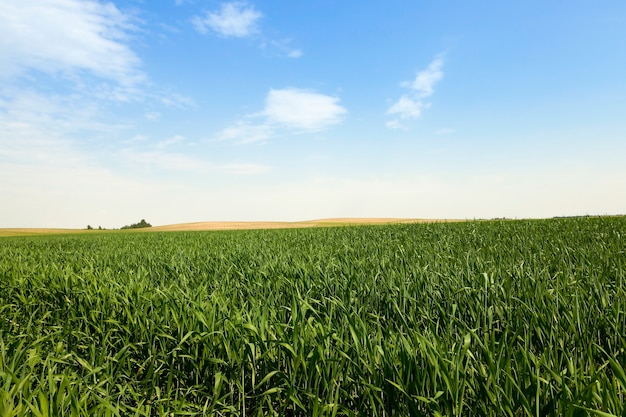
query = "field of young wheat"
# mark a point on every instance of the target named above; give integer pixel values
(497, 318)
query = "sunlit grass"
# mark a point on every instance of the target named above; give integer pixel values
(520, 318)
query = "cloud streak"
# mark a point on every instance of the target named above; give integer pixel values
(412, 104)
(244, 132)
(63, 63)
(67, 36)
(243, 169)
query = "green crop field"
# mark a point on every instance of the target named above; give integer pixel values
(494, 318)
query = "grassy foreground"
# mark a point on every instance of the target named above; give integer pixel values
(517, 318)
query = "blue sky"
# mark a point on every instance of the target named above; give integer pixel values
(197, 110)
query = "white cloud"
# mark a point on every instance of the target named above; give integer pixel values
(412, 104)
(289, 109)
(302, 109)
(236, 19)
(67, 36)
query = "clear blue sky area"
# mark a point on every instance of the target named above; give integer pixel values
(188, 110)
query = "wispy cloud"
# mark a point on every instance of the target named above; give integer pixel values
(289, 109)
(283, 47)
(236, 19)
(408, 107)
(294, 53)
(444, 131)
(152, 116)
(83, 47)
(240, 19)
(243, 169)
(246, 132)
(412, 104)
(63, 63)
(57, 115)
(170, 141)
(160, 159)
(425, 81)
(68, 37)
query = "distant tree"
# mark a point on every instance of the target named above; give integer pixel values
(142, 224)
(99, 227)
(89, 227)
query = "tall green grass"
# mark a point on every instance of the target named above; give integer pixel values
(501, 318)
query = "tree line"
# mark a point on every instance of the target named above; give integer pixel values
(142, 224)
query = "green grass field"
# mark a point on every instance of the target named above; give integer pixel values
(496, 318)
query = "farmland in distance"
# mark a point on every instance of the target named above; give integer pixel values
(492, 318)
